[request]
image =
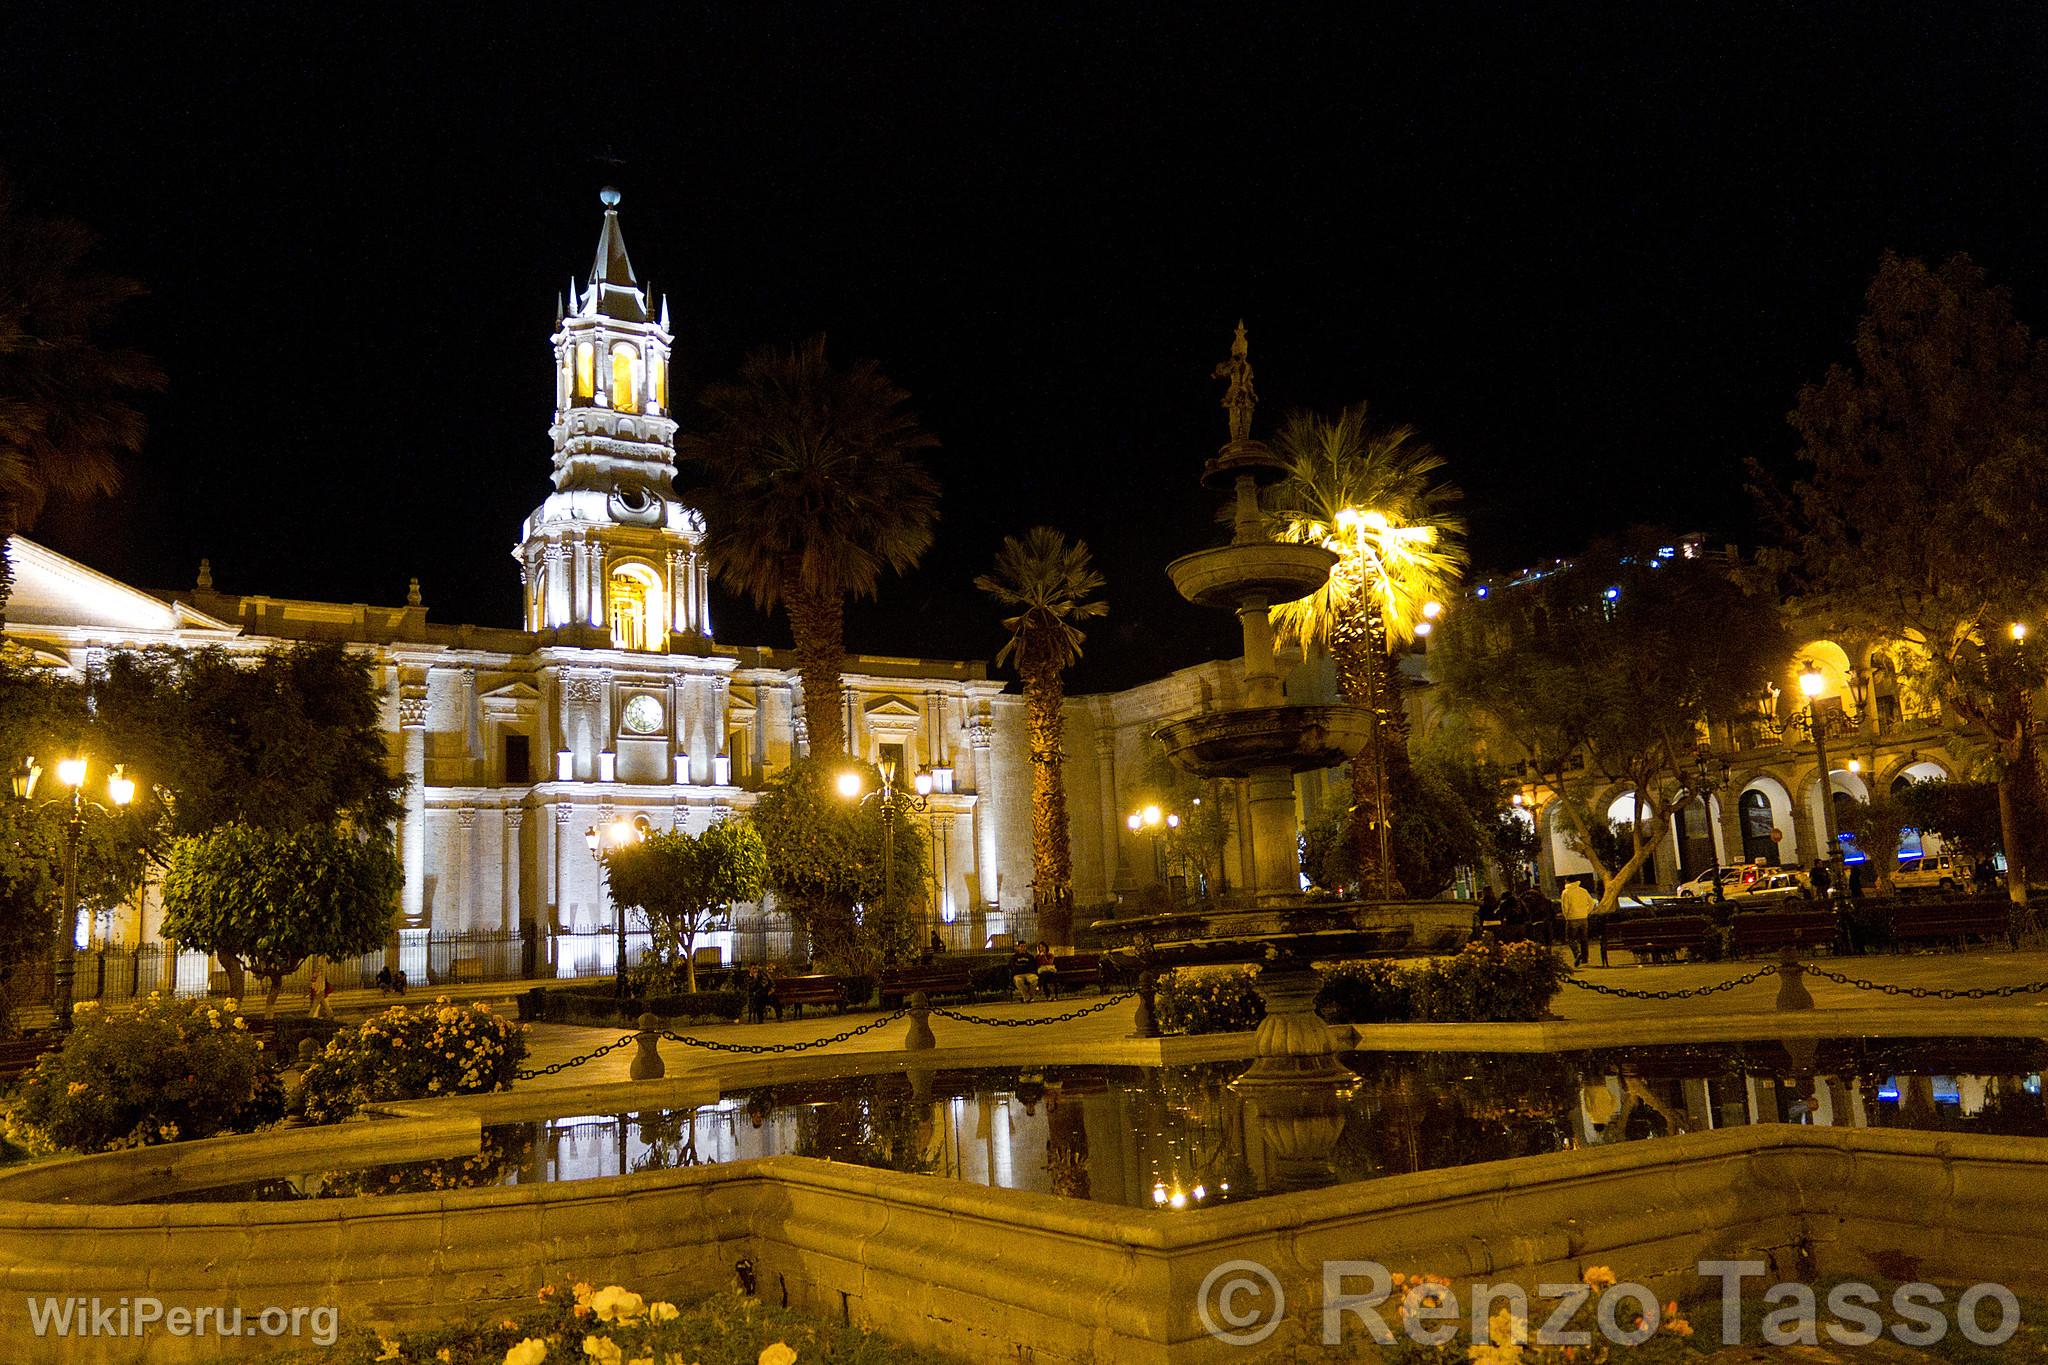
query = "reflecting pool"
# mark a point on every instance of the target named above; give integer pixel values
(1182, 1137)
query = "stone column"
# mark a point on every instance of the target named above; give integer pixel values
(703, 595)
(1270, 793)
(557, 611)
(412, 833)
(981, 736)
(465, 872)
(513, 909)
(682, 589)
(1111, 808)
(473, 725)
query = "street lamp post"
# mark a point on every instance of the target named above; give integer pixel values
(1710, 775)
(1152, 820)
(850, 787)
(618, 834)
(120, 791)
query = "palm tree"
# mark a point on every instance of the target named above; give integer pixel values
(1050, 584)
(811, 488)
(1375, 498)
(64, 411)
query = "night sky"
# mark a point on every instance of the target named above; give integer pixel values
(1590, 252)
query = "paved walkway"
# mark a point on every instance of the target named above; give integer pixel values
(1946, 971)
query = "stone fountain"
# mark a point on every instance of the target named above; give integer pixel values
(1292, 1083)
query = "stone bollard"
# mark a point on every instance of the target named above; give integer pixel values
(1145, 1025)
(308, 1050)
(647, 1064)
(1792, 992)
(918, 1038)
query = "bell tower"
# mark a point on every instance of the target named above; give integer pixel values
(612, 559)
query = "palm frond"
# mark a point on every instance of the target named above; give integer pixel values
(1052, 583)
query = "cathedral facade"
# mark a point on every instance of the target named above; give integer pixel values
(613, 699)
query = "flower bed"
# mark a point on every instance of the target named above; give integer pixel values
(582, 1325)
(412, 1052)
(165, 1070)
(1485, 981)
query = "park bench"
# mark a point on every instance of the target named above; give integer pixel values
(18, 1056)
(1653, 936)
(940, 978)
(1763, 931)
(1951, 922)
(794, 992)
(1071, 972)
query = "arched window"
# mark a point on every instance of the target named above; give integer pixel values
(625, 378)
(586, 369)
(657, 379)
(1756, 828)
(635, 599)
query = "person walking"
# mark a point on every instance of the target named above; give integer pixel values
(1577, 904)
(1821, 881)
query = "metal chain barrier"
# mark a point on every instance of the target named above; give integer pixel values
(1931, 992)
(1695, 992)
(755, 1049)
(557, 1068)
(1069, 1016)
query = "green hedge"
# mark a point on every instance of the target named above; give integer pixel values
(1483, 982)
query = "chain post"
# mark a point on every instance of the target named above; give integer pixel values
(918, 1038)
(647, 1064)
(1792, 992)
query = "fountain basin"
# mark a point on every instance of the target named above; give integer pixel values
(1232, 574)
(1241, 743)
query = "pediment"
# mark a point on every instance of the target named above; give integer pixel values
(57, 592)
(890, 708)
(514, 693)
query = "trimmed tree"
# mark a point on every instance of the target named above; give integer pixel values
(681, 882)
(825, 864)
(266, 900)
(1051, 585)
(1878, 825)
(1606, 674)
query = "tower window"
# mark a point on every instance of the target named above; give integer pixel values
(635, 598)
(586, 369)
(625, 378)
(657, 378)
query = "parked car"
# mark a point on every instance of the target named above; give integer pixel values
(1773, 885)
(1920, 874)
(1702, 886)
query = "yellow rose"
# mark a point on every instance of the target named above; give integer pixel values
(531, 1351)
(603, 1350)
(777, 1353)
(662, 1311)
(391, 1348)
(613, 1304)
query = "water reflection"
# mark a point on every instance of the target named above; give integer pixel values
(1186, 1137)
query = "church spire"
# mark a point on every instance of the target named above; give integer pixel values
(614, 291)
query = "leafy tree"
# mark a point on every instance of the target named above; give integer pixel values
(268, 899)
(66, 409)
(1947, 391)
(1050, 584)
(45, 715)
(1374, 498)
(287, 740)
(1435, 834)
(811, 488)
(680, 882)
(1877, 825)
(1197, 844)
(825, 864)
(1965, 816)
(1604, 673)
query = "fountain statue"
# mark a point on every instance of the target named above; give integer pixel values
(1265, 742)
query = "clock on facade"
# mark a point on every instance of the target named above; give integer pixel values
(643, 715)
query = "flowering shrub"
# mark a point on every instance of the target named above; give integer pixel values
(585, 1325)
(1511, 1338)
(165, 1070)
(1208, 1000)
(1376, 991)
(1489, 981)
(411, 1053)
